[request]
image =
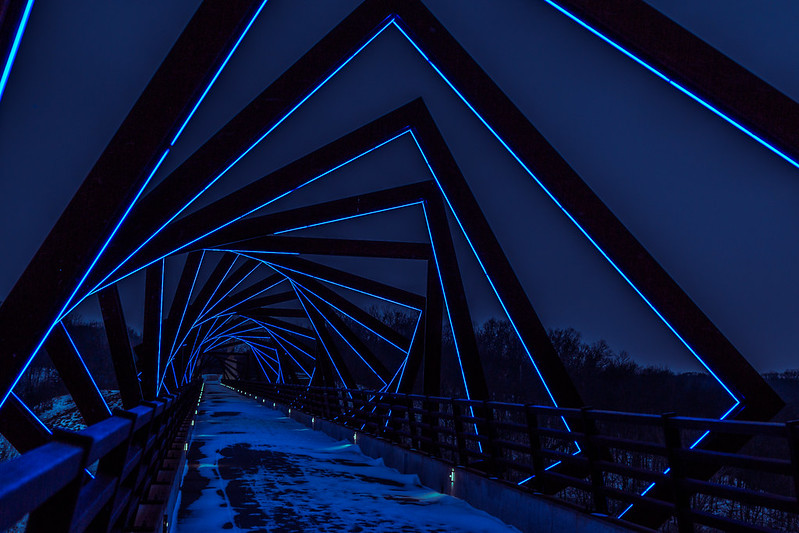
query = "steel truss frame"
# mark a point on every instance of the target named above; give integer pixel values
(121, 231)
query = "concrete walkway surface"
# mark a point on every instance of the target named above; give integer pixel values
(250, 468)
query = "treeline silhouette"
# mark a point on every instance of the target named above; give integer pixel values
(606, 378)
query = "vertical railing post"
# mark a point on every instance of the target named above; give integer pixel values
(430, 424)
(534, 439)
(597, 480)
(792, 428)
(681, 497)
(413, 427)
(491, 442)
(460, 441)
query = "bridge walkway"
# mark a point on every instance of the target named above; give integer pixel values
(250, 468)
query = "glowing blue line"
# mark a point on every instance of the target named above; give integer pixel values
(343, 338)
(186, 307)
(15, 46)
(693, 96)
(330, 357)
(563, 209)
(413, 339)
(444, 294)
(291, 280)
(80, 283)
(344, 218)
(267, 326)
(253, 296)
(160, 327)
(276, 266)
(218, 72)
(277, 340)
(221, 281)
(254, 352)
(228, 292)
(386, 24)
(83, 363)
(33, 415)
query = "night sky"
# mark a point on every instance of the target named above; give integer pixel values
(714, 207)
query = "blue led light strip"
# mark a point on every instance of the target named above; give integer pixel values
(15, 46)
(344, 218)
(277, 340)
(446, 304)
(385, 25)
(330, 357)
(675, 84)
(303, 290)
(62, 314)
(85, 368)
(291, 280)
(186, 306)
(277, 266)
(410, 347)
(218, 72)
(202, 313)
(560, 206)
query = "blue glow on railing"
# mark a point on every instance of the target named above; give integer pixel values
(690, 94)
(218, 72)
(15, 46)
(83, 364)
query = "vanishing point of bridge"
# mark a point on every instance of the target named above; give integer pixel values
(255, 304)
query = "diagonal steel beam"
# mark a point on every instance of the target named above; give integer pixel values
(114, 184)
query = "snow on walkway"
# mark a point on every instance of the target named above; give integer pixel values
(253, 469)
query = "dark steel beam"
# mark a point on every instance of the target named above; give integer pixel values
(348, 308)
(114, 183)
(77, 378)
(565, 185)
(431, 385)
(291, 263)
(687, 60)
(323, 246)
(151, 331)
(247, 296)
(20, 427)
(455, 300)
(265, 301)
(329, 350)
(335, 321)
(260, 116)
(116, 329)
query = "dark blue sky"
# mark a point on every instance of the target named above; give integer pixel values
(716, 209)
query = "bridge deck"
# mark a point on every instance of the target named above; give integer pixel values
(253, 469)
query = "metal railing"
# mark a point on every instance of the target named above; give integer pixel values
(623, 465)
(99, 478)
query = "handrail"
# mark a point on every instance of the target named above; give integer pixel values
(608, 462)
(53, 483)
